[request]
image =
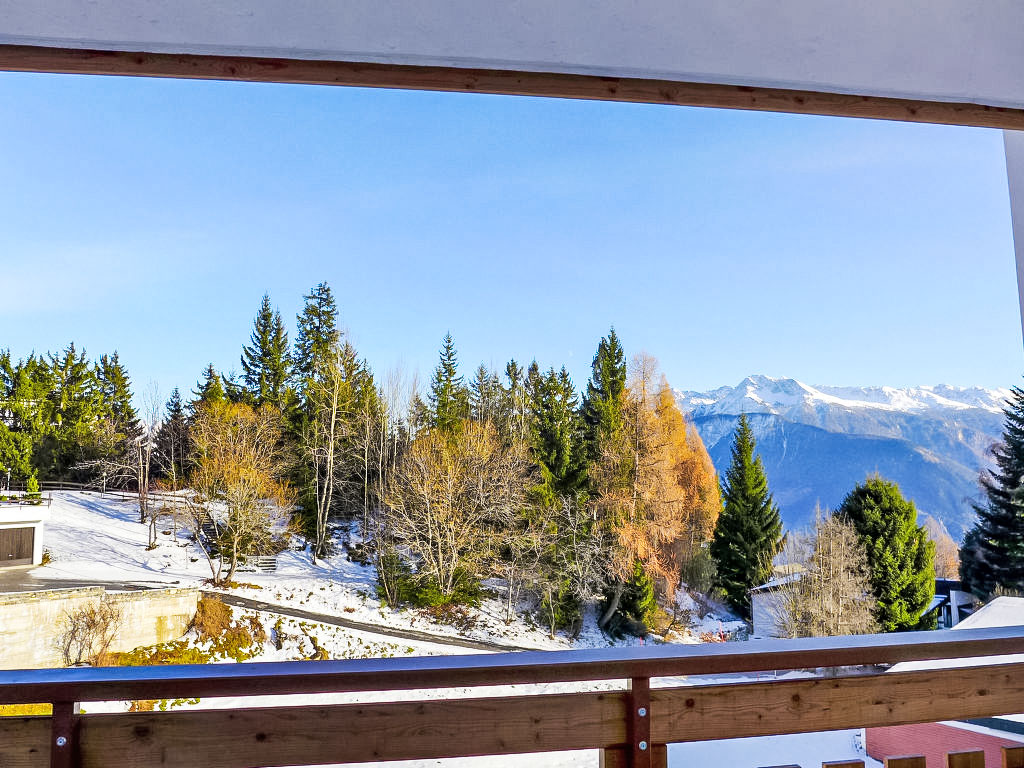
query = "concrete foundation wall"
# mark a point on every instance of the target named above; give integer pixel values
(32, 622)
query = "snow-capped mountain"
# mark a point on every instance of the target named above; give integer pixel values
(817, 442)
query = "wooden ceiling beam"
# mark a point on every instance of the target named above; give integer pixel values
(23, 58)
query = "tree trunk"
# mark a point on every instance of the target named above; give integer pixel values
(613, 606)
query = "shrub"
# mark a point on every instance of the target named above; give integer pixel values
(88, 633)
(212, 618)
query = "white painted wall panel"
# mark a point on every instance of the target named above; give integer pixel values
(944, 50)
(1013, 141)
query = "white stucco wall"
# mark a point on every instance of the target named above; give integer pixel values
(1014, 144)
(943, 50)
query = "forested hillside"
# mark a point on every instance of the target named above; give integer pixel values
(562, 493)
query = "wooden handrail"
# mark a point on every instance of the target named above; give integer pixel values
(122, 683)
(631, 726)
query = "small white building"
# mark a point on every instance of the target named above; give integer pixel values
(766, 601)
(21, 533)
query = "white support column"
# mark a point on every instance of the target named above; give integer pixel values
(1014, 143)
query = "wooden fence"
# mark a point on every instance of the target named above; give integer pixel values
(631, 725)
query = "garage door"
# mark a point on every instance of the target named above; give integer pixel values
(16, 546)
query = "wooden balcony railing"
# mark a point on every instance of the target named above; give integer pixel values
(631, 725)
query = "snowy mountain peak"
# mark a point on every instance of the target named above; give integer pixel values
(817, 442)
(783, 396)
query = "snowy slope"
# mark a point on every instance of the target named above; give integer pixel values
(94, 538)
(818, 441)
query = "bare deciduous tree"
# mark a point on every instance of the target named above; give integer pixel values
(448, 492)
(832, 596)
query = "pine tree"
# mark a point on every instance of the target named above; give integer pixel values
(900, 556)
(749, 530)
(317, 336)
(449, 400)
(993, 551)
(266, 366)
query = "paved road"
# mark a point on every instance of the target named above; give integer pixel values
(19, 580)
(376, 629)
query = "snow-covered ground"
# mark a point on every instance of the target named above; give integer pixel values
(94, 538)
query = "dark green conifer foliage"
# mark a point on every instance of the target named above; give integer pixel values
(602, 403)
(317, 337)
(749, 530)
(73, 406)
(637, 606)
(116, 394)
(449, 400)
(209, 389)
(993, 551)
(485, 396)
(900, 556)
(266, 365)
(171, 449)
(24, 389)
(557, 433)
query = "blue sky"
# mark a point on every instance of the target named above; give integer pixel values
(149, 216)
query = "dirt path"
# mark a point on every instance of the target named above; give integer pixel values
(376, 629)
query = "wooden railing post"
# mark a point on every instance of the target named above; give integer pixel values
(64, 735)
(640, 722)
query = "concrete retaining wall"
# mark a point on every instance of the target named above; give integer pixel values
(31, 622)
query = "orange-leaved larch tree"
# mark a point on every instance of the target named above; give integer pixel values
(656, 488)
(240, 503)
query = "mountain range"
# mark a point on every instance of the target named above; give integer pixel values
(818, 442)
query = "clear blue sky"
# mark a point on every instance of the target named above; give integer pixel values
(149, 216)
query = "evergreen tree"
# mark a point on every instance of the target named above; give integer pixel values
(485, 394)
(73, 407)
(993, 551)
(116, 394)
(449, 400)
(266, 366)
(171, 449)
(749, 530)
(209, 389)
(317, 336)
(557, 434)
(900, 556)
(602, 403)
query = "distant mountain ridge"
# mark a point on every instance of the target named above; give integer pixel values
(817, 442)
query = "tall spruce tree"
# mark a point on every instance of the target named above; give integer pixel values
(749, 530)
(993, 553)
(116, 395)
(266, 364)
(317, 337)
(602, 403)
(73, 406)
(449, 400)
(485, 395)
(557, 435)
(900, 556)
(171, 449)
